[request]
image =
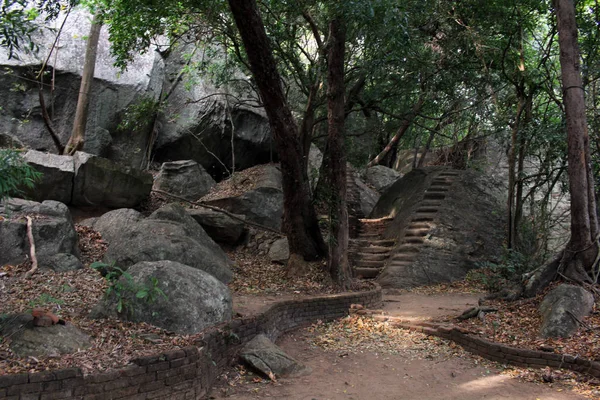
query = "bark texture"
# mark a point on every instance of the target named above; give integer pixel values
(299, 219)
(77, 138)
(338, 244)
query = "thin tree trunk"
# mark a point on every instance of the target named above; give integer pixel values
(583, 214)
(401, 131)
(338, 265)
(77, 138)
(299, 218)
(512, 162)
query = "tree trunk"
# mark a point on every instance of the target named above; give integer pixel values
(338, 214)
(77, 138)
(584, 225)
(299, 219)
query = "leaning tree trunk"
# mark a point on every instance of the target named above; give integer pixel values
(77, 138)
(338, 215)
(299, 218)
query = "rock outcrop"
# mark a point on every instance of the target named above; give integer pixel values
(185, 178)
(189, 301)
(563, 308)
(169, 234)
(219, 226)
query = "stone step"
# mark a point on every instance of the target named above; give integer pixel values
(372, 257)
(414, 240)
(448, 174)
(434, 196)
(368, 264)
(426, 210)
(419, 225)
(400, 263)
(366, 273)
(406, 248)
(441, 182)
(433, 188)
(430, 203)
(408, 257)
(376, 220)
(416, 232)
(423, 217)
(368, 236)
(374, 250)
(366, 243)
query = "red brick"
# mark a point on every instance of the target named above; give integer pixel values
(11, 380)
(62, 394)
(25, 388)
(41, 377)
(161, 366)
(151, 386)
(68, 373)
(174, 355)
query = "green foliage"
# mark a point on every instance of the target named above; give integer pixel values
(44, 299)
(123, 288)
(138, 115)
(15, 174)
(496, 276)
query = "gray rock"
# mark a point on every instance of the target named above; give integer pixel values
(27, 340)
(381, 177)
(184, 178)
(99, 181)
(10, 141)
(99, 143)
(201, 130)
(219, 226)
(562, 307)
(169, 234)
(194, 299)
(270, 178)
(269, 359)
(279, 251)
(367, 196)
(61, 262)
(112, 224)
(262, 205)
(57, 179)
(112, 91)
(53, 232)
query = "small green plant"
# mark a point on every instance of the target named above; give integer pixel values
(496, 276)
(122, 286)
(138, 115)
(15, 174)
(44, 299)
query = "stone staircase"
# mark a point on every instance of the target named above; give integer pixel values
(370, 253)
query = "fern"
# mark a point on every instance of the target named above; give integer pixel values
(15, 174)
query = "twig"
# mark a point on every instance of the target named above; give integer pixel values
(580, 322)
(202, 204)
(34, 262)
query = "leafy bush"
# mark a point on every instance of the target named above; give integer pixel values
(15, 174)
(496, 276)
(123, 289)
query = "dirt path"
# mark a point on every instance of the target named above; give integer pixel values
(412, 372)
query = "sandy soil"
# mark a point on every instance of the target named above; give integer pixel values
(410, 373)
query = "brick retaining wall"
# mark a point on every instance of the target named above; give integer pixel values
(186, 373)
(507, 354)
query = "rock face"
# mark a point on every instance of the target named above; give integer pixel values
(219, 226)
(61, 262)
(184, 178)
(280, 251)
(58, 176)
(113, 223)
(53, 232)
(113, 91)
(27, 340)
(462, 225)
(263, 204)
(169, 234)
(194, 299)
(99, 181)
(381, 177)
(562, 307)
(266, 357)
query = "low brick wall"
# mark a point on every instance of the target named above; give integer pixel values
(507, 354)
(184, 373)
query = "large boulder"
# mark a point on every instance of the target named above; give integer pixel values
(197, 124)
(113, 92)
(99, 181)
(61, 262)
(381, 177)
(279, 251)
(113, 223)
(367, 196)
(53, 230)
(220, 226)
(169, 234)
(185, 178)
(57, 179)
(269, 359)
(562, 308)
(193, 300)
